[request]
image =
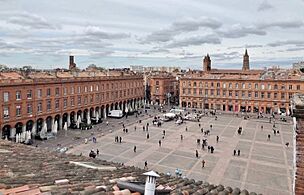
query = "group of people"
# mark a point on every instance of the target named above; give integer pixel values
(118, 139)
(92, 154)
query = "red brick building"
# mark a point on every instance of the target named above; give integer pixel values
(248, 90)
(31, 100)
(163, 87)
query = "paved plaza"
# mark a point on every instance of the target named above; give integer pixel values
(263, 166)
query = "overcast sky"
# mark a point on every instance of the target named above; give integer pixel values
(119, 33)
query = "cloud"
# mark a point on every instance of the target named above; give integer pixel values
(184, 26)
(226, 56)
(29, 20)
(287, 42)
(99, 33)
(238, 31)
(281, 24)
(265, 5)
(195, 40)
(157, 50)
(293, 49)
(245, 46)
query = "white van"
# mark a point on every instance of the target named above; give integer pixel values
(115, 114)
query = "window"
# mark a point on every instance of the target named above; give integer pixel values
(189, 91)
(212, 92)
(269, 86)
(218, 85)
(298, 87)
(290, 95)
(275, 96)
(230, 85)
(72, 101)
(65, 103)
(79, 100)
(5, 112)
(206, 84)
(283, 87)
(249, 85)
(206, 92)
(86, 89)
(200, 91)
(236, 85)
(212, 84)
(256, 86)
(29, 109)
(200, 84)
(290, 87)
(5, 96)
(282, 95)
(39, 107)
(85, 100)
(243, 85)
(236, 93)
(224, 93)
(249, 94)
(275, 87)
(189, 84)
(184, 84)
(92, 99)
(39, 93)
(48, 92)
(256, 94)
(18, 95)
(184, 91)
(230, 93)
(224, 85)
(18, 110)
(243, 93)
(97, 87)
(268, 95)
(57, 104)
(157, 90)
(262, 95)
(262, 86)
(57, 91)
(72, 90)
(194, 84)
(79, 89)
(91, 88)
(218, 93)
(65, 91)
(194, 91)
(48, 105)
(29, 94)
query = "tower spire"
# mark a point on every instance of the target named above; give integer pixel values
(246, 61)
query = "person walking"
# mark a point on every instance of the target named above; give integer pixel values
(120, 139)
(97, 152)
(262, 127)
(208, 148)
(210, 127)
(107, 123)
(164, 132)
(196, 153)
(182, 137)
(148, 136)
(211, 149)
(186, 129)
(134, 149)
(234, 152)
(268, 137)
(159, 143)
(203, 163)
(134, 128)
(217, 139)
(146, 165)
(239, 152)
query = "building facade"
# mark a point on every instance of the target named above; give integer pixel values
(244, 90)
(163, 88)
(31, 101)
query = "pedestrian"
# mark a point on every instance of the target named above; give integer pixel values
(186, 129)
(274, 132)
(268, 137)
(143, 128)
(217, 139)
(234, 152)
(148, 135)
(126, 130)
(203, 163)
(212, 149)
(97, 152)
(211, 127)
(278, 132)
(198, 141)
(181, 137)
(196, 154)
(134, 128)
(159, 143)
(134, 149)
(208, 148)
(199, 125)
(239, 152)
(85, 140)
(202, 130)
(216, 118)
(262, 127)
(203, 146)
(120, 139)
(107, 123)
(164, 132)
(146, 165)
(287, 144)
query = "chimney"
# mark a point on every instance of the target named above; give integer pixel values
(150, 182)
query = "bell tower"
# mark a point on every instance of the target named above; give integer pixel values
(246, 61)
(207, 63)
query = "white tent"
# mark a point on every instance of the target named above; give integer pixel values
(29, 135)
(288, 112)
(279, 111)
(169, 115)
(17, 138)
(126, 110)
(43, 131)
(34, 132)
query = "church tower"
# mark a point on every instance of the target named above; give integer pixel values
(207, 63)
(246, 61)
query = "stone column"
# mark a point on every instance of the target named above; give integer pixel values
(34, 129)
(52, 123)
(68, 120)
(13, 133)
(60, 123)
(94, 112)
(105, 112)
(81, 116)
(99, 112)
(23, 128)
(88, 114)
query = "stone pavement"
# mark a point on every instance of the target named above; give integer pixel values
(263, 166)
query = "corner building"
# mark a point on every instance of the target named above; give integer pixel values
(31, 100)
(245, 90)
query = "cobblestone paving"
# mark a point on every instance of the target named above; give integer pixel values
(263, 166)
